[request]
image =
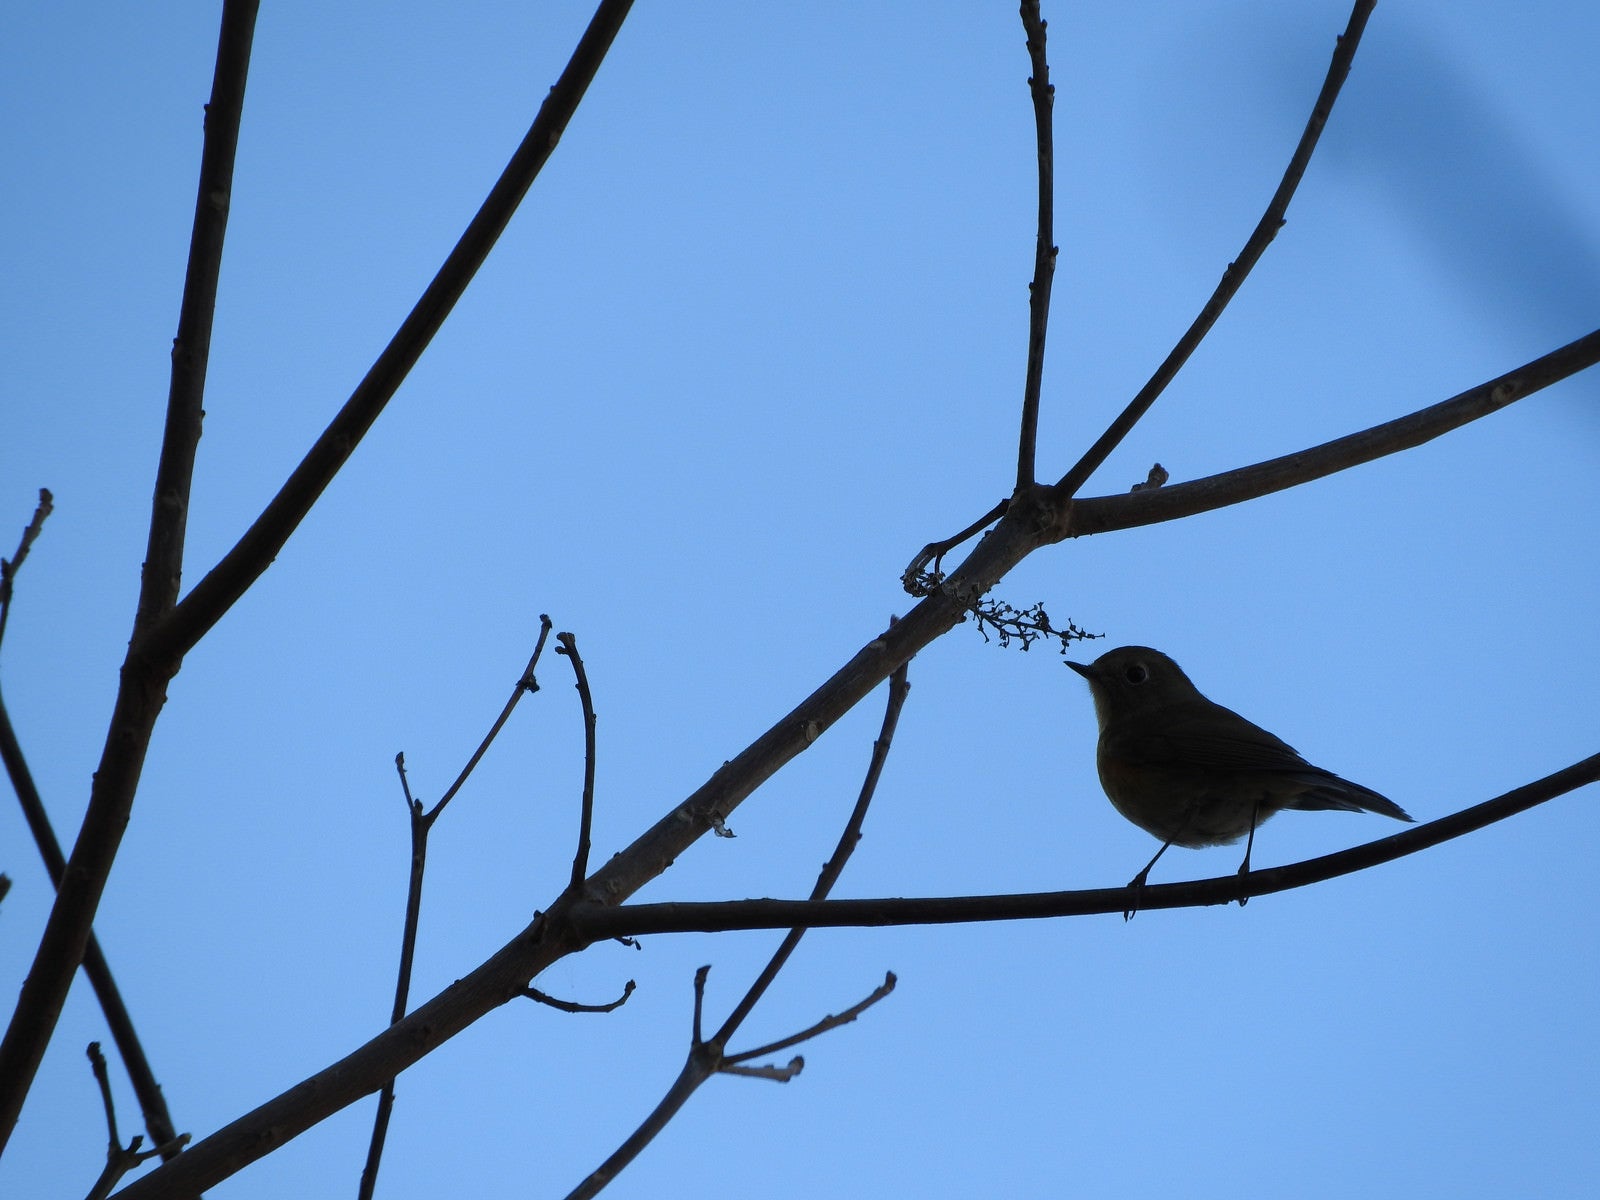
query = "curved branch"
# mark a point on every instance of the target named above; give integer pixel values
(1148, 506)
(595, 923)
(1266, 229)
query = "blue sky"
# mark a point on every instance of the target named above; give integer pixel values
(755, 337)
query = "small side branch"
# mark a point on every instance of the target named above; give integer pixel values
(569, 1006)
(1044, 255)
(421, 824)
(924, 573)
(120, 1159)
(1266, 229)
(580, 861)
(526, 685)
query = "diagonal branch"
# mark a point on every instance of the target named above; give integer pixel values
(1151, 505)
(142, 690)
(1266, 229)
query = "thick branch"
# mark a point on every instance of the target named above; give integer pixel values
(1148, 506)
(144, 675)
(1266, 229)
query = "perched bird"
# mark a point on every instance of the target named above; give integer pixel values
(1191, 772)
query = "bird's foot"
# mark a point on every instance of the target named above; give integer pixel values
(1136, 888)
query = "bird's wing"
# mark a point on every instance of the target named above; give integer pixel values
(1209, 739)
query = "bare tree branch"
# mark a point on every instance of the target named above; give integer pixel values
(593, 922)
(1044, 255)
(1266, 229)
(144, 675)
(1148, 506)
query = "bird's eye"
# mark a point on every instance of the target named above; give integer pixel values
(1136, 673)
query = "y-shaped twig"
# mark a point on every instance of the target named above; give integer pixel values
(707, 1057)
(421, 825)
(1266, 229)
(120, 1159)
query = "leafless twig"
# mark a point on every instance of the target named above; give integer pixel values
(421, 824)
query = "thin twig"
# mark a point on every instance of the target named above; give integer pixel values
(526, 683)
(97, 1064)
(1044, 255)
(571, 1006)
(142, 688)
(1266, 229)
(421, 824)
(10, 566)
(580, 860)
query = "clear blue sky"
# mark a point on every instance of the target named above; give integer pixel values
(756, 336)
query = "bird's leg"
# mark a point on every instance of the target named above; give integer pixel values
(1136, 884)
(1250, 843)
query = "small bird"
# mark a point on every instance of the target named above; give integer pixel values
(1193, 773)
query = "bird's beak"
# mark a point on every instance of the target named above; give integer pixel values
(1086, 672)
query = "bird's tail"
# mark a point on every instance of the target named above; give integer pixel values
(1325, 790)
